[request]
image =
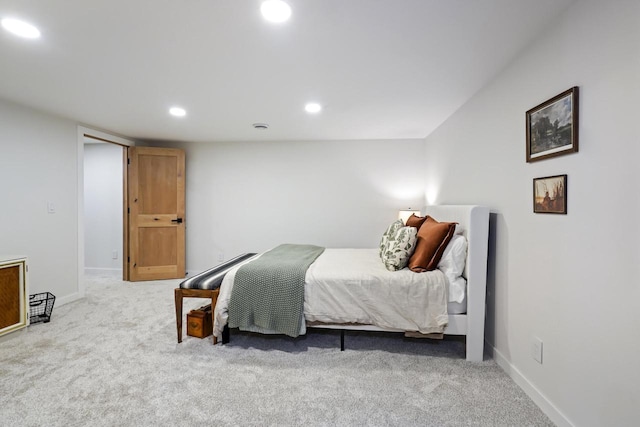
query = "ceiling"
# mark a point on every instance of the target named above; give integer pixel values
(381, 69)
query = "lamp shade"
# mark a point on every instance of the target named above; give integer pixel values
(404, 214)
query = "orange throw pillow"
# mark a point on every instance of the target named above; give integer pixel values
(415, 221)
(433, 237)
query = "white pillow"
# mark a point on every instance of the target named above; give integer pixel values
(399, 248)
(454, 258)
(457, 290)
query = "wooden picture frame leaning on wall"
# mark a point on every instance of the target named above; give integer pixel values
(552, 127)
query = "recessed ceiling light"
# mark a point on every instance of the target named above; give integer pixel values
(177, 111)
(313, 107)
(275, 10)
(20, 28)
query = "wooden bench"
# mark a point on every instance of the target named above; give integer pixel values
(205, 285)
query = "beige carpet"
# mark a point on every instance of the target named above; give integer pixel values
(112, 360)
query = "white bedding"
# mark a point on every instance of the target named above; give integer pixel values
(353, 286)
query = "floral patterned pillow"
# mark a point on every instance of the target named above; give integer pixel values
(391, 231)
(399, 248)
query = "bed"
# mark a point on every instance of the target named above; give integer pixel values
(327, 305)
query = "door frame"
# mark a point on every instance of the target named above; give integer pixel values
(82, 133)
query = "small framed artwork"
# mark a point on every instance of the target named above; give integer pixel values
(552, 127)
(550, 194)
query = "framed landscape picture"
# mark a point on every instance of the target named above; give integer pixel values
(552, 127)
(550, 194)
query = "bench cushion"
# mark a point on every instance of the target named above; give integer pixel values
(212, 278)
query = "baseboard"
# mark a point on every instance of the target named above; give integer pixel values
(110, 272)
(536, 395)
(65, 300)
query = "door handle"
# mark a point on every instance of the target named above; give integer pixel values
(177, 221)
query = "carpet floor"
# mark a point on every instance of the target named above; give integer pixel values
(112, 359)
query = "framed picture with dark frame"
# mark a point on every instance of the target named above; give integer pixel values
(552, 127)
(550, 194)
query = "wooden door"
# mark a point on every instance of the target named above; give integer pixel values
(156, 209)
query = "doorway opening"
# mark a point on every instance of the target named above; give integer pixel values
(103, 206)
(106, 181)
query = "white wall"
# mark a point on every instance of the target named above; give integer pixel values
(570, 280)
(249, 197)
(38, 165)
(103, 208)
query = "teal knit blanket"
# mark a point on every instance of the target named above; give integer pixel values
(268, 292)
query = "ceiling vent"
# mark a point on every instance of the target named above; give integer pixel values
(262, 126)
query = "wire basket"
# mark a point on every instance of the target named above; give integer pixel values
(40, 307)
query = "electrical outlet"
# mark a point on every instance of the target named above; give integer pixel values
(114, 254)
(536, 349)
(220, 256)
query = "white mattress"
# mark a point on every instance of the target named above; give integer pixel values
(454, 307)
(353, 286)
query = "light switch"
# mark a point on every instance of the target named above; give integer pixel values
(51, 207)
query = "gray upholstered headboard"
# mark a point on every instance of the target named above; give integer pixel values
(474, 221)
